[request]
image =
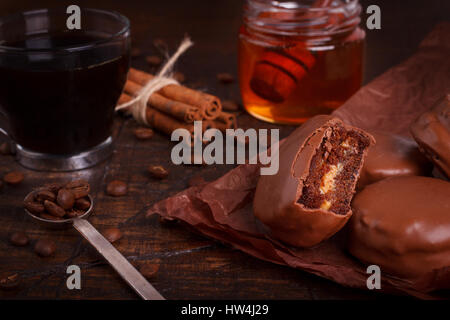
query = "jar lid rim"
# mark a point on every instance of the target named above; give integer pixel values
(264, 16)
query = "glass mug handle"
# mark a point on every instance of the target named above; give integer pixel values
(5, 133)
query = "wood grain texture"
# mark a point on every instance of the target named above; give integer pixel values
(191, 266)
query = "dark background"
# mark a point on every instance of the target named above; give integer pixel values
(190, 265)
(214, 25)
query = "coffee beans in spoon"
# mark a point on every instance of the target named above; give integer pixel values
(59, 201)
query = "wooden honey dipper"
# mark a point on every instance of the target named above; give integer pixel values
(278, 71)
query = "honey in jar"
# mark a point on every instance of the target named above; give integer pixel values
(298, 59)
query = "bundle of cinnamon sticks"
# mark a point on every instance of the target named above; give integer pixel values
(176, 106)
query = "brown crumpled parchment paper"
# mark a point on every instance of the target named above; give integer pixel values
(222, 210)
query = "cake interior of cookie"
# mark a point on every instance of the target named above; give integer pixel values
(333, 169)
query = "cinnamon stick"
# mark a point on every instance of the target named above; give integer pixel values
(178, 110)
(165, 123)
(225, 120)
(161, 121)
(208, 104)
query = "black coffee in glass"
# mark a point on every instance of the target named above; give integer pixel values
(62, 101)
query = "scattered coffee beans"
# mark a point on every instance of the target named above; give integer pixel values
(230, 105)
(59, 201)
(45, 248)
(158, 172)
(153, 60)
(136, 52)
(149, 270)
(112, 234)
(5, 149)
(19, 239)
(179, 77)
(10, 282)
(143, 133)
(14, 177)
(117, 188)
(225, 78)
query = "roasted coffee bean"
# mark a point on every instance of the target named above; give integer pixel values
(53, 187)
(158, 172)
(43, 195)
(34, 207)
(5, 148)
(143, 133)
(225, 78)
(83, 204)
(112, 234)
(76, 184)
(161, 45)
(196, 181)
(136, 52)
(230, 105)
(80, 192)
(10, 282)
(18, 239)
(45, 248)
(65, 199)
(79, 188)
(179, 77)
(50, 217)
(149, 270)
(73, 213)
(14, 177)
(153, 60)
(117, 188)
(53, 209)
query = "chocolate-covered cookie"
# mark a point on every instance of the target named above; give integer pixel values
(308, 200)
(402, 224)
(392, 156)
(432, 133)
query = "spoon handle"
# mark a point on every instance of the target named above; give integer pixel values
(117, 261)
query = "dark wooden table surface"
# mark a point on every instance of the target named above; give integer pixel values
(191, 267)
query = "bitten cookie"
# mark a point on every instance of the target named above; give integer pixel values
(308, 200)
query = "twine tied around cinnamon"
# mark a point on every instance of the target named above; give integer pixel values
(138, 104)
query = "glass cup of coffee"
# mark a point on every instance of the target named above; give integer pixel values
(59, 87)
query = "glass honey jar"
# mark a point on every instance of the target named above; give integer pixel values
(299, 58)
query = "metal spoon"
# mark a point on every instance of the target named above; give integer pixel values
(124, 268)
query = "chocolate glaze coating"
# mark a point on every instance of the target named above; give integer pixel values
(276, 198)
(432, 132)
(392, 156)
(402, 224)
